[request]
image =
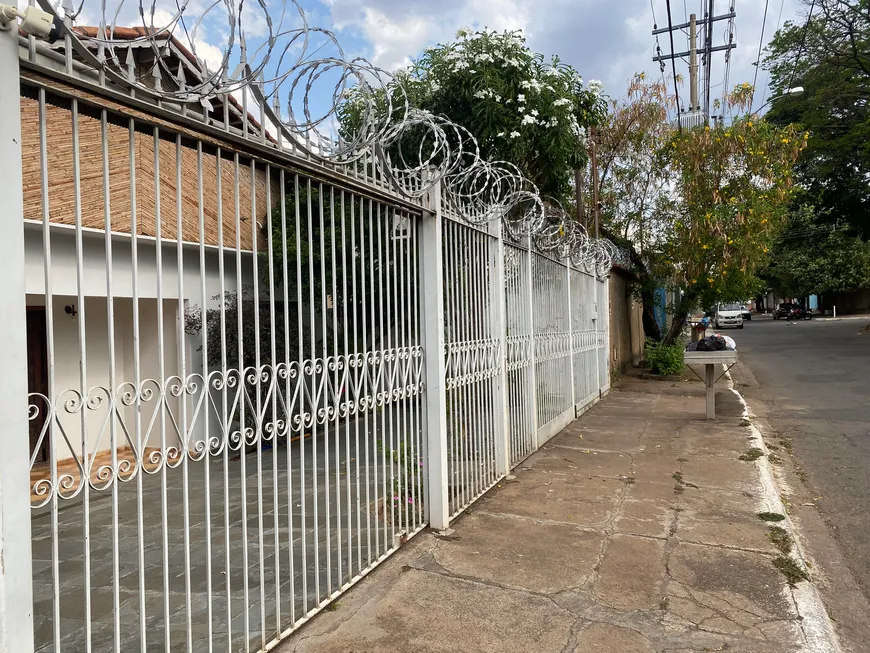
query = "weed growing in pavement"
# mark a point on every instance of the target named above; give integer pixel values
(780, 537)
(770, 516)
(751, 454)
(776, 460)
(664, 359)
(790, 569)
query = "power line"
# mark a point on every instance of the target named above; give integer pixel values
(767, 84)
(801, 47)
(758, 58)
(674, 64)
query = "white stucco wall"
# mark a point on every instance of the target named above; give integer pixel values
(92, 320)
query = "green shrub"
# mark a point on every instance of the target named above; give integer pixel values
(664, 359)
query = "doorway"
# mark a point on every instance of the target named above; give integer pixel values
(37, 380)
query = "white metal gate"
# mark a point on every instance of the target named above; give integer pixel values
(252, 373)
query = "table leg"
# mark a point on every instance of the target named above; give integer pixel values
(710, 382)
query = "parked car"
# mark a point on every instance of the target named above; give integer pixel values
(729, 315)
(783, 310)
(747, 314)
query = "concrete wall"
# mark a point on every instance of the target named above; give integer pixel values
(626, 324)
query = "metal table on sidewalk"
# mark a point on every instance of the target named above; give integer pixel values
(710, 359)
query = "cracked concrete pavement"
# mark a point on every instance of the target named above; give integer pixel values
(633, 530)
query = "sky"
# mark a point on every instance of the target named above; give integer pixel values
(607, 40)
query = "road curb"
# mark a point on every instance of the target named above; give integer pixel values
(816, 624)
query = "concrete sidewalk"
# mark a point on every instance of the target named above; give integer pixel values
(636, 529)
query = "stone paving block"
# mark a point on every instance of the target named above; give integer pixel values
(509, 550)
(656, 467)
(610, 437)
(742, 586)
(583, 501)
(565, 459)
(648, 509)
(632, 573)
(431, 613)
(722, 472)
(605, 637)
(746, 532)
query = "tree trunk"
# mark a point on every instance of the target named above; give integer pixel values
(681, 312)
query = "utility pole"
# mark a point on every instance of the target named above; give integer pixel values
(706, 51)
(596, 205)
(693, 64)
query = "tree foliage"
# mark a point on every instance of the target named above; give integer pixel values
(811, 259)
(520, 108)
(730, 192)
(633, 184)
(830, 58)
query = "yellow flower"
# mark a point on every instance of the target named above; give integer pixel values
(711, 280)
(704, 247)
(724, 273)
(785, 140)
(749, 123)
(765, 250)
(764, 221)
(730, 242)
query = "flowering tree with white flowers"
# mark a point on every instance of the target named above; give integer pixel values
(520, 108)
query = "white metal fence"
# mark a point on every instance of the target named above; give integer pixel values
(251, 378)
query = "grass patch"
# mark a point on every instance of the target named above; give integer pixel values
(751, 454)
(332, 607)
(678, 477)
(780, 538)
(770, 516)
(790, 569)
(776, 460)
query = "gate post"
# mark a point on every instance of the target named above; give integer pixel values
(431, 239)
(16, 564)
(498, 331)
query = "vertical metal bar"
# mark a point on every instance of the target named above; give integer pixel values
(432, 287)
(373, 389)
(49, 331)
(498, 325)
(161, 373)
(335, 396)
(303, 408)
(324, 384)
(137, 381)
(315, 382)
(288, 396)
(384, 345)
(226, 426)
(361, 403)
(258, 416)
(243, 398)
(406, 482)
(274, 379)
(533, 382)
(16, 594)
(348, 385)
(418, 400)
(110, 330)
(83, 375)
(206, 388)
(182, 361)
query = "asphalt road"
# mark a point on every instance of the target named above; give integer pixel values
(814, 380)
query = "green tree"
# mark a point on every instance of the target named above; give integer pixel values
(829, 56)
(633, 184)
(810, 258)
(729, 198)
(520, 109)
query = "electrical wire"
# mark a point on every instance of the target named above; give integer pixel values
(674, 65)
(658, 54)
(758, 58)
(801, 47)
(767, 83)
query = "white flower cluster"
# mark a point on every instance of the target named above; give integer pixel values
(532, 85)
(563, 102)
(487, 93)
(595, 86)
(529, 120)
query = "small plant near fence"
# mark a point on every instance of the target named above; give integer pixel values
(407, 484)
(664, 359)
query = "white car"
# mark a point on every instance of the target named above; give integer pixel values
(729, 315)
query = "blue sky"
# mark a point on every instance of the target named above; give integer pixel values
(607, 40)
